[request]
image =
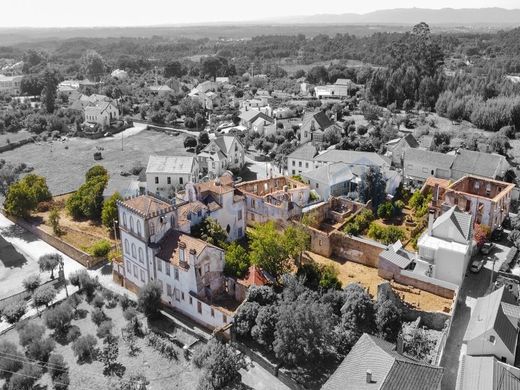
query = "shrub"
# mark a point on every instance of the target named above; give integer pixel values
(98, 301)
(385, 210)
(14, 310)
(130, 313)
(399, 204)
(149, 299)
(105, 329)
(385, 234)
(100, 248)
(124, 301)
(83, 280)
(56, 365)
(164, 347)
(134, 327)
(44, 295)
(73, 333)
(25, 378)
(31, 283)
(84, 348)
(40, 349)
(97, 316)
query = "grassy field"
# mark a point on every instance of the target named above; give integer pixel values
(64, 163)
(161, 372)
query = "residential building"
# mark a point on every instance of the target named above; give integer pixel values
(119, 74)
(189, 270)
(331, 180)
(490, 165)
(487, 200)
(302, 159)
(375, 364)
(487, 373)
(101, 113)
(222, 80)
(223, 153)
(249, 116)
(419, 164)
(396, 149)
(10, 84)
(166, 174)
(161, 90)
(283, 113)
(313, 126)
(340, 89)
(448, 245)
(493, 327)
(207, 86)
(278, 198)
(217, 199)
(351, 157)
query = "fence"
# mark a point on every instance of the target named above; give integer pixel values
(81, 257)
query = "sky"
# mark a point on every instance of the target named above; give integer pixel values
(90, 13)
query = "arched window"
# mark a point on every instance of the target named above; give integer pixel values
(152, 228)
(138, 227)
(133, 250)
(131, 224)
(124, 219)
(127, 249)
(141, 255)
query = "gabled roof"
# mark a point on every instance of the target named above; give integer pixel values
(487, 315)
(487, 373)
(305, 152)
(351, 157)
(461, 222)
(331, 174)
(408, 139)
(170, 247)
(147, 205)
(479, 163)
(400, 257)
(390, 371)
(320, 119)
(426, 157)
(255, 277)
(252, 114)
(170, 164)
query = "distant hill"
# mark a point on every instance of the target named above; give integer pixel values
(410, 16)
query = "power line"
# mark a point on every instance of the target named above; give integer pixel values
(29, 376)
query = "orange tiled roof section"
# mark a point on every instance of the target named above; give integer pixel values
(254, 277)
(173, 241)
(147, 205)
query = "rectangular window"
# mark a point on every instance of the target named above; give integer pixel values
(206, 268)
(159, 265)
(129, 266)
(191, 301)
(212, 312)
(294, 163)
(169, 180)
(317, 185)
(199, 307)
(176, 273)
(293, 172)
(142, 276)
(239, 215)
(181, 255)
(182, 296)
(299, 164)
(224, 319)
(156, 179)
(306, 165)
(177, 295)
(253, 203)
(240, 232)
(135, 271)
(167, 269)
(168, 290)
(181, 180)
(161, 284)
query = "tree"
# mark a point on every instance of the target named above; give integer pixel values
(59, 318)
(220, 362)
(236, 261)
(30, 332)
(190, 142)
(50, 81)
(10, 359)
(109, 212)
(357, 314)
(87, 201)
(174, 69)
(109, 356)
(267, 250)
(24, 195)
(40, 349)
(31, 283)
(296, 241)
(385, 210)
(265, 324)
(388, 320)
(54, 220)
(8, 175)
(44, 295)
(84, 348)
(481, 234)
(149, 299)
(372, 187)
(59, 372)
(14, 310)
(49, 262)
(93, 65)
(26, 377)
(210, 231)
(95, 172)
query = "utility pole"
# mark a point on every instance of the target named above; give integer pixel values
(122, 146)
(490, 288)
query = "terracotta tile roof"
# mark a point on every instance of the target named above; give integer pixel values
(147, 205)
(170, 247)
(254, 277)
(190, 208)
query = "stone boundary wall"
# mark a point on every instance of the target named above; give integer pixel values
(17, 144)
(356, 249)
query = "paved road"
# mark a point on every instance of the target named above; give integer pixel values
(473, 287)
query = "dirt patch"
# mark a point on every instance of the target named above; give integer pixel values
(350, 272)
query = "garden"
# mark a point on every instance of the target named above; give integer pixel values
(96, 339)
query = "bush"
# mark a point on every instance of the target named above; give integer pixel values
(100, 248)
(164, 347)
(44, 295)
(360, 222)
(98, 301)
(385, 234)
(14, 310)
(30, 332)
(83, 280)
(59, 318)
(25, 378)
(385, 210)
(97, 316)
(40, 349)
(31, 283)
(84, 348)
(56, 365)
(130, 313)
(73, 333)
(149, 299)
(105, 329)
(124, 301)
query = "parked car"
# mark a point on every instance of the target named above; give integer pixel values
(487, 248)
(477, 265)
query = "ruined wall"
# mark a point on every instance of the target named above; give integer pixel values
(356, 249)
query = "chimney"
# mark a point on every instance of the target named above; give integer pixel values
(193, 254)
(431, 215)
(369, 376)
(399, 347)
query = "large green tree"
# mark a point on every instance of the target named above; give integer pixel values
(24, 195)
(109, 212)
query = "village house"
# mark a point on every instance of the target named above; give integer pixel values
(493, 327)
(166, 174)
(489, 165)
(10, 84)
(313, 127)
(189, 270)
(102, 113)
(279, 198)
(420, 164)
(331, 180)
(264, 127)
(223, 153)
(119, 74)
(160, 90)
(488, 201)
(396, 149)
(487, 373)
(248, 117)
(207, 86)
(340, 89)
(217, 199)
(375, 364)
(302, 159)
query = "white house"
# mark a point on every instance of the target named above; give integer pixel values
(487, 373)
(332, 180)
(448, 245)
(302, 159)
(119, 74)
(165, 174)
(101, 113)
(340, 89)
(223, 153)
(10, 84)
(493, 327)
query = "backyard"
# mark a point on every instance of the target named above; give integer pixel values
(350, 272)
(64, 163)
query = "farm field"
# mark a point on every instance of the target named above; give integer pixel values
(64, 163)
